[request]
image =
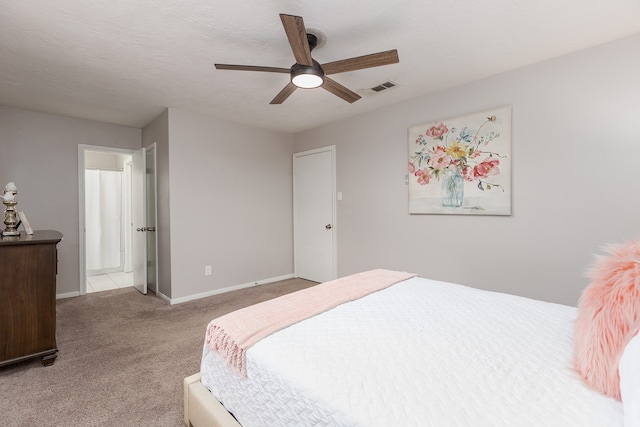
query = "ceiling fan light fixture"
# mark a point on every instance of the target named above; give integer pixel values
(307, 73)
(307, 77)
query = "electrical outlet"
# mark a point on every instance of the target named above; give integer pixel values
(207, 270)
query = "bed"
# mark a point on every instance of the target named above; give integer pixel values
(417, 352)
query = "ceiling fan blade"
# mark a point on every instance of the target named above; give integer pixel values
(297, 35)
(339, 90)
(361, 62)
(252, 68)
(284, 94)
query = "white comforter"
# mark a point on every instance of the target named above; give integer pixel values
(420, 353)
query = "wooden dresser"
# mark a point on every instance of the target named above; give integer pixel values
(28, 267)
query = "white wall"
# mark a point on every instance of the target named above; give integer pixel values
(231, 203)
(575, 148)
(39, 152)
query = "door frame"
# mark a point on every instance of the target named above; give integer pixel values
(82, 241)
(334, 222)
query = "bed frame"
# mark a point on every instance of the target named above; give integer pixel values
(201, 408)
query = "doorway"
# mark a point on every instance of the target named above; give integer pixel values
(118, 262)
(314, 216)
(107, 248)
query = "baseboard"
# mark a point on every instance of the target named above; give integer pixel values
(201, 295)
(68, 295)
(227, 289)
(164, 297)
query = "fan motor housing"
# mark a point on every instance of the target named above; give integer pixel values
(312, 40)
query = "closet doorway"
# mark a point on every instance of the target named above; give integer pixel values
(107, 212)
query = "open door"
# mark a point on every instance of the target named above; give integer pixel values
(151, 220)
(138, 220)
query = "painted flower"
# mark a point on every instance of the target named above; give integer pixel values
(439, 159)
(437, 132)
(456, 150)
(486, 169)
(423, 176)
(466, 134)
(467, 174)
(412, 167)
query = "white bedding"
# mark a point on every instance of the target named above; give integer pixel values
(420, 353)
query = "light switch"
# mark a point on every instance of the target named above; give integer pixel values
(339, 195)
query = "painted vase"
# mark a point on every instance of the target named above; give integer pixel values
(452, 189)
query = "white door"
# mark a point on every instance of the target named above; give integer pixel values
(138, 216)
(314, 214)
(151, 220)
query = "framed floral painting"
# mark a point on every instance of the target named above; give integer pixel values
(462, 165)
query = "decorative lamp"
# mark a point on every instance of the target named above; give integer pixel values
(10, 218)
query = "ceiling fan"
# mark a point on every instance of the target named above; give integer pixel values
(308, 73)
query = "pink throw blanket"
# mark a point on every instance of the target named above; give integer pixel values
(232, 334)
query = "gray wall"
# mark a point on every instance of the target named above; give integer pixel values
(231, 203)
(39, 152)
(226, 203)
(574, 184)
(575, 148)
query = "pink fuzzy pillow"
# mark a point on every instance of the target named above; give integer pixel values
(608, 316)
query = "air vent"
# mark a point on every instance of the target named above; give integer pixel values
(379, 88)
(383, 86)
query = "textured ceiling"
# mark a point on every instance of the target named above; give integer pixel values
(124, 62)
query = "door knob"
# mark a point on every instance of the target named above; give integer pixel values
(328, 226)
(151, 229)
(140, 229)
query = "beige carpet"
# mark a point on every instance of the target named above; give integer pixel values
(122, 359)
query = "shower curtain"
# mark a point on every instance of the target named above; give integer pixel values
(103, 202)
